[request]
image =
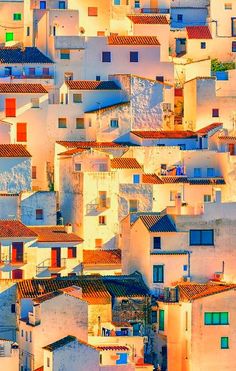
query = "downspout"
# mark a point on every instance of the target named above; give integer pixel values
(189, 264)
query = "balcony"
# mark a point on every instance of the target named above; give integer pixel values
(174, 170)
(52, 266)
(167, 295)
(98, 205)
(155, 10)
(20, 259)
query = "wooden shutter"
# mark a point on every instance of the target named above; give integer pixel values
(21, 132)
(10, 107)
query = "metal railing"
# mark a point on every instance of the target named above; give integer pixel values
(51, 264)
(20, 259)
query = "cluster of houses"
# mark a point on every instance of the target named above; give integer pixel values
(117, 185)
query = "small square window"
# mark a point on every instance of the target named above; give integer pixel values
(114, 123)
(79, 123)
(98, 78)
(160, 78)
(215, 112)
(65, 54)
(137, 4)
(210, 172)
(157, 243)
(136, 178)
(197, 172)
(134, 57)
(234, 46)
(78, 167)
(92, 11)
(116, 2)
(106, 57)
(77, 98)
(39, 214)
(185, 267)
(180, 17)
(224, 342)
(102, 167)
(203, 45)
(62, 123)
(42, 5)
(228, 6)
(207, 198)
(102, 220)
(98, 243)
(9, 36)
(34, 102)
(17, 16)
(71, 252)
(62, 5)
(133, 206)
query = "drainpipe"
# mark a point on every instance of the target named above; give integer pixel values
(223, 267)
(189, 264)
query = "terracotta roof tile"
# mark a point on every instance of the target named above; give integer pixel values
(92, 85)
(192, 291)
(26, 55)
(158, 223)
(227, 137)
(14, 228)
(51, 295)
(112, 347)
(80, 144)
(108, 108)
(22, 88)
(73, 151)
(209, 128)
(133, 40)
(164, 134)
(198, 32)
(60, 343)
(206, 181)
(148, 19)
(125, 163)
(97, 257)
(55, 234)
(174, 179)
(151, 179)
(13, 150)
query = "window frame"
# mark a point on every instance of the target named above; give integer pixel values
(39, 214)
(134, 56)
(136, 178)
(17, 16)
(161, 319)
(212, 321)
(156, 245)
(201, 237)
(222, 344)
(62, 124)
(106, 57)
(156, 276)
(80, 98)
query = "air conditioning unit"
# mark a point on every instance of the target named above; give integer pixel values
(218, 276)
(145, 339)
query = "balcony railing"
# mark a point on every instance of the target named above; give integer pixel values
(49, 264)
(19, 260)
(155, 10)
(23, 77)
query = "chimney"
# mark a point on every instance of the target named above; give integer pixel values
(68, 228)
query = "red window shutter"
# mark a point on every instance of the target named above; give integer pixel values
(92, 11)
(71, 252)
(17, 274)
(21, 132)
(10, 107)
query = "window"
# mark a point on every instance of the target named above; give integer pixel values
(179, 17)
(28, 31)
(203, 45)
(98, 78)
(216, 318)
(133, 206)
(26, 335)
(136, 178)
(9, 36)
(182, 41)
(161, 320)
(114, 123)
(30, 336)
(62, 122)
(45, 71)
(207, 198)
(215, 112)
(22, 333)
(101, 34)
(48, 362)
(17, 274)
(185, 267)
(77, 98)
(71, 252)
(133, 57)
(233, 26)
(42, 5)
(13, 308)
(79, 123)
(39, 214)
(102, 167)
(34, 102)
(62, 5)
(34, 172)
(173, 195)
(102, 199)
(234, 46)
(160, 78)
(201, 237)
(154, 316)
(78, 167)
(65, 54)
(17, 16)
(101, 220)
(21, 132)
(136, 4)
(122, 358)
(158, 274)
(92, 11)
(116, 2)
(228, 6)
(224, 342)
(98, 243)
(210, 172)
(197, 172)
(31, 71)
(156, 242)
(10, 107)
(106, 57)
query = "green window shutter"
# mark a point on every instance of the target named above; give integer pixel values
(224, 320)
(208, 318)
(224, 342)
(9, 36)
(161, 319)
(17, 16)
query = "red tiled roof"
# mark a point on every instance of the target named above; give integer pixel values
(151, 179)
(39, 369)
(198, 32)
(133, 40)
(112, 347)
(13, 150)
(109, 107)
(174, 179)
(92, 85)
(192, 291)
(80, 144)
(97, 257)
(125, 163)
(71, 152)
(210, 127)
(22, 88)
(14, 228)
(55, 234)
(51, 295)
(164, 134)
(148, 19)
(228, 137)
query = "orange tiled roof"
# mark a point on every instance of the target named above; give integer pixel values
(174, 179)
(92, 85)
(72, 152)
(39, 369)
(148, 19)
(198, 32)
(228, 137)
(133, 40)
(14, 228)
(210, 127)
(97, 257)
(125, 163)
(112, 347)
(51, 295)
(54, 233)
(13, 150)
(164, 134)
(151, 179)
(82, 144)
(22, 88)
(192, 291)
